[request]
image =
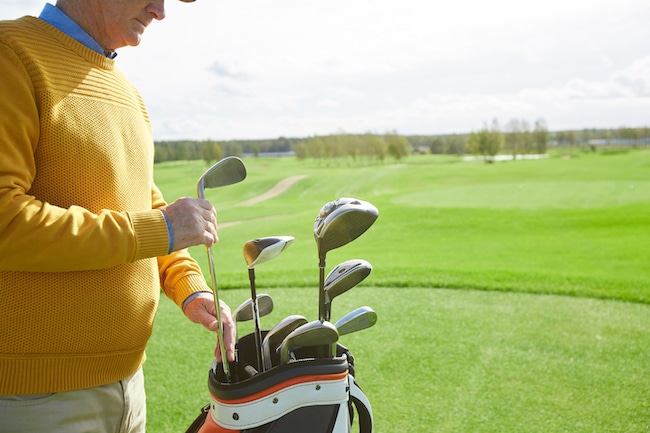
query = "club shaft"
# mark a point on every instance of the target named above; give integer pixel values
(256, 320)
(321, 290)
(220, 333)
(322, 350)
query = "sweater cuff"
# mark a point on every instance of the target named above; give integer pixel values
(188, 285)
(151, 236)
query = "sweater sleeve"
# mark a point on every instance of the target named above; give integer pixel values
(36, 236)
(180, 274)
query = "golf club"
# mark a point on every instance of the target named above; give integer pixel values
(244, 313)
(228, 171)
(277, 334)
(356, 320)
(315, 333)
(255, 252)
(338, 223)
(342, 278)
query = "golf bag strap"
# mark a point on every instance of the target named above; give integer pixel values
(360, 401)
(199, 421)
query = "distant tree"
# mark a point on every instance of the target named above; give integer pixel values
(455, 144)
(513, 137)
(397, 145)
(211, 151)
(436, 145)
(486, 142)
(540, 136)
(375, 146)
(527, 144)
(301, 150)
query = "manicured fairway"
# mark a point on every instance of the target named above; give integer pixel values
(442, 360)
(511, 296)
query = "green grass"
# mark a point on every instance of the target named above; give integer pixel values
(547, 326)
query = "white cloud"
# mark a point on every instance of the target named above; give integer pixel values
(636, 77)
(230, 69)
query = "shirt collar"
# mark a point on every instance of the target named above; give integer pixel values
(57, 18)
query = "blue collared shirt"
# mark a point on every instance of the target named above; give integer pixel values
(57, 18)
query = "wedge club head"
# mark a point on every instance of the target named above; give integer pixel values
(228, 171)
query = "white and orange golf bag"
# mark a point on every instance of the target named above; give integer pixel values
(309, 394)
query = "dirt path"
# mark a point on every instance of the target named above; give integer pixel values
(277, 189)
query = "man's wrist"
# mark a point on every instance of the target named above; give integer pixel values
(194, 296)
(170, 233)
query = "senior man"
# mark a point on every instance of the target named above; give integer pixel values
(86, 238)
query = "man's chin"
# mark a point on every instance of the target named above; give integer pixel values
(134, 40)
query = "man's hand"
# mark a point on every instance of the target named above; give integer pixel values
(193, 222)
(201, 310)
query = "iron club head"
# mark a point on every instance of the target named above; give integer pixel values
(341, 279)
(315, 333)
(345, 276)
(277, 334)
(356, 320)
(244, 312)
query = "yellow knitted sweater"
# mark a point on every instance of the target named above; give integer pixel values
(79, 225)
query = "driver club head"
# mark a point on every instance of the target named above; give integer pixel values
(342, 221)
(262, 250)
(225, 172)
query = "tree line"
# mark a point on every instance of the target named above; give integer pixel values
(517, 137)
(365, 147)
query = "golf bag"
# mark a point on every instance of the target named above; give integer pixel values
(308, 394)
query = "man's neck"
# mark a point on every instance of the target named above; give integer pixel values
(82, 14)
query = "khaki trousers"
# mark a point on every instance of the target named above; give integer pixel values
(119, 407)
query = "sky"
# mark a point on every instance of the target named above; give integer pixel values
(255, 69)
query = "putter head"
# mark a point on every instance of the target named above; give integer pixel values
(244, 312)
(345, 276)
(228, 171)
(342, 221)
(314, 333)
(356, 320)
(264, 249)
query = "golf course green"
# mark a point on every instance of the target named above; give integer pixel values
(511, 297)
